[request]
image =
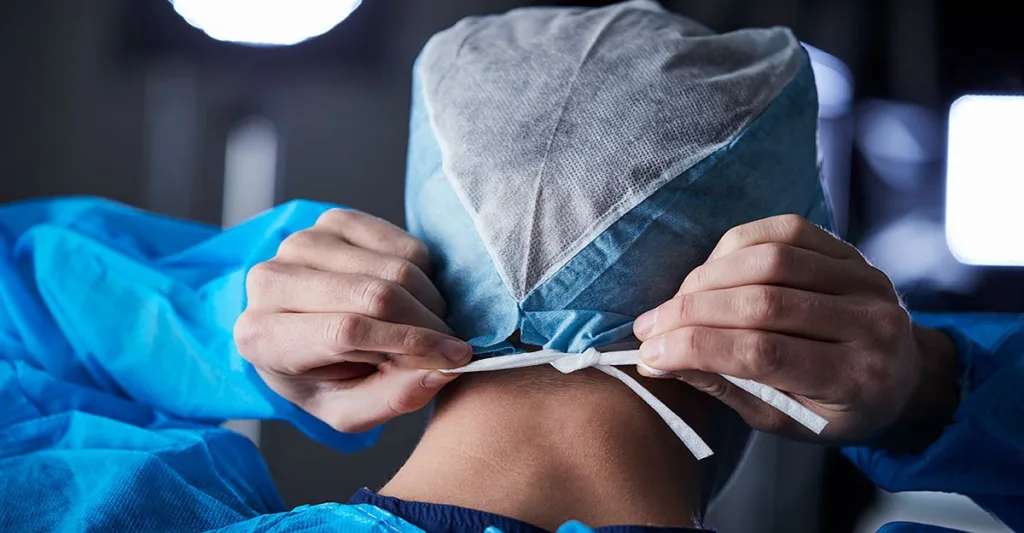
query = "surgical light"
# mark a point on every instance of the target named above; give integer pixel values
(985, 180)
(265, 22)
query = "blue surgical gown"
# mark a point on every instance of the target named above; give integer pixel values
(117, 367)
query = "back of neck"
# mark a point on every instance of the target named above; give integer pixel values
(543, 447)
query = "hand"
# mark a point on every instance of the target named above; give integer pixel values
(345, 323)
(783, 302)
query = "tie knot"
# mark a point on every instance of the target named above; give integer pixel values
(577, 361)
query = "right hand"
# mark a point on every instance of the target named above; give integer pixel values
(345, 323)
(786, 303)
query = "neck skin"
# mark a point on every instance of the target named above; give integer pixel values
(543, 447)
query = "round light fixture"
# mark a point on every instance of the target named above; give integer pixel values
(265, 22)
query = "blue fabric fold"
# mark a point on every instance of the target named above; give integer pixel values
(117, 366)
(981, 454)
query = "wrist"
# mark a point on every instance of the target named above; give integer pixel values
(935, 397)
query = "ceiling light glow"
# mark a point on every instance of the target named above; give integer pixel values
(265, 22)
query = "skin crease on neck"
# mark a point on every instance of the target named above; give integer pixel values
(545, 447)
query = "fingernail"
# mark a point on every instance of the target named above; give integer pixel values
(653, 372)
(644, 324)
(455, 350)
(436, 380)
(652, 350)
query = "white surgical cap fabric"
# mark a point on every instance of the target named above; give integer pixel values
(568, 166)
(553, 123)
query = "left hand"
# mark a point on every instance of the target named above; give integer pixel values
(345, 323)
(783, 302)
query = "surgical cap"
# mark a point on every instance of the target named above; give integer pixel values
(568, 167)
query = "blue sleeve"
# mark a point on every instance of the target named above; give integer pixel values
(117, 366)
(981, 453)
(142, 307)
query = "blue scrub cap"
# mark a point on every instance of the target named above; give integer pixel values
(568, 167)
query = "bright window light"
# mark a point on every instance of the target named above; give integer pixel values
(265, 22)
(985, 180)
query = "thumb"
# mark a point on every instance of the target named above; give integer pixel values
(390, 392)
(404, 390)
(754, 412)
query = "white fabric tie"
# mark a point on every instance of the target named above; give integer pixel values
(607, 361)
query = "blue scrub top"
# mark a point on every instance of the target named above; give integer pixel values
(117, 365)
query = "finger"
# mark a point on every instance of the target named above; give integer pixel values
(763, 307)
(388, 393)
(294, 344)
(787, 266)
(344, 371)
(755, 413)
(373, 233)
(322, 250)
(348, 370)
(792, 364)
(351, 370)
(785, 229)
(280, 287)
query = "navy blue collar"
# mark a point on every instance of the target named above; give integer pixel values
(434, 518)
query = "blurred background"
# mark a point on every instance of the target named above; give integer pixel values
(126, 99)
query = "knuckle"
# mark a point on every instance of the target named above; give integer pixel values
(790, 227)
(691, 341)
(380, 297)
(416, 252)
(778, 260)
(296, 244)
(759, 304)
(261, 278)
(734, 237)
(681, 308)
(247, 335)
(336, 217)
(892, 323)
(347, 331)
(401, 272)
(761, 354)
(417, 341)
(880, 280)
(698, 278)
